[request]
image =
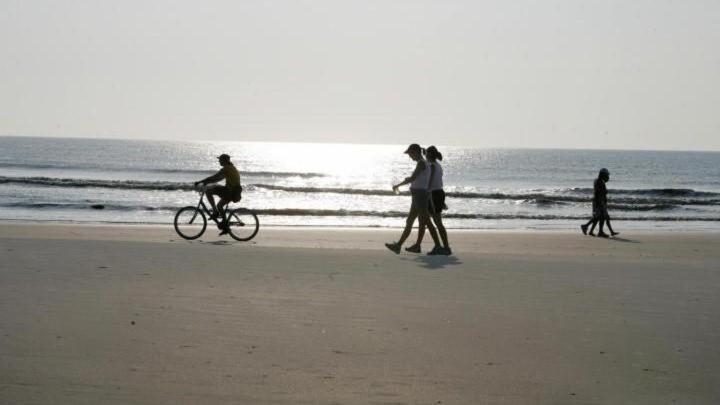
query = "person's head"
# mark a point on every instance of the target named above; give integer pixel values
(415, 151)
(433, 154)
(224, 159)
(604, 175)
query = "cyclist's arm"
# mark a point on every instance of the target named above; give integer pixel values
(214, 178)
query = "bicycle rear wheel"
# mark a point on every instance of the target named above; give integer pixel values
(190, 222)
(243, 224)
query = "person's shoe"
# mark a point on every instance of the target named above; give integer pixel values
(591, 233)
(413, 249)
(394, 247)
(603, 235)
(447, 251)
(614, 233)
(437, 250)
(584, 229)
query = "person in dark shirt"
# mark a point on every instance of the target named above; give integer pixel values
(231, 191)
(599, 205)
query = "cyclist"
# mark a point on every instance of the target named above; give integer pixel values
(231, 191)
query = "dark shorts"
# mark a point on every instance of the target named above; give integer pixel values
(437, 202)
(226, 193)
(420, 200)
(600, 212)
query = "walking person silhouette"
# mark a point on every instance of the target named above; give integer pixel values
(419, 182)
(436, 205)
(599, 205)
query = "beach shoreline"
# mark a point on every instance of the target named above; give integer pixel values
(134, 314)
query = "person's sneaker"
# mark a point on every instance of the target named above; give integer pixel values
(614, 233)
(413, 249)
(437, 250)
(393, 247)
(584, 229)
(603, 235)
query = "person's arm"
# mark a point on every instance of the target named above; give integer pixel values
(212, 179)
(603, 196)
(432, 174)
(418, 169)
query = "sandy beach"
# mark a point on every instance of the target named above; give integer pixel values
(136, 315)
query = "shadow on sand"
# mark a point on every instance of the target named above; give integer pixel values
(217, 242)
(436, 262)
(619, 239)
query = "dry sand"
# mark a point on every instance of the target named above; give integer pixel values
(135, 315)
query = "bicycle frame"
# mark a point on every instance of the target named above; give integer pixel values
(201, 205)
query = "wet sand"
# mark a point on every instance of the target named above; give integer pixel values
(135, 315)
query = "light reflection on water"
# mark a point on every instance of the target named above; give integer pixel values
(521, 174)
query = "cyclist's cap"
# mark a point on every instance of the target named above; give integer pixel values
(413, 147)
(224, 157)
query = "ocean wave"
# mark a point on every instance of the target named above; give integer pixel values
(300, 212)
(535, 198)
(659, 192)
(192, 172)
(626, 202)
(83, 183)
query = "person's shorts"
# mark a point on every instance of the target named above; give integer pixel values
(226, 193)
(600, 212)
(420, 199)
(437, 199)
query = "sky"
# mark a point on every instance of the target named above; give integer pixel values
(630, 74)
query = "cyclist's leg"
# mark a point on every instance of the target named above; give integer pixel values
(221, 206)
(210, 192)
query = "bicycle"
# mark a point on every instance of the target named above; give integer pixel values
(191, 222)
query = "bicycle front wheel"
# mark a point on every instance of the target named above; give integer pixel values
(190, 222)
(243, 224)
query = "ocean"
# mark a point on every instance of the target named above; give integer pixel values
(348, 185)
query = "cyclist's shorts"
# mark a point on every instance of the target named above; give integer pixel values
(226, 193)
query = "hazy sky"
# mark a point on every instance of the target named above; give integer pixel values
(510, 73)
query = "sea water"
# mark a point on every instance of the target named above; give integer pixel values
(349, 185)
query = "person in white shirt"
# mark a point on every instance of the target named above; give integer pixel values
(419, 181)
(436, 203)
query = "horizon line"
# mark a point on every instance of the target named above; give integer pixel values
(96, 138)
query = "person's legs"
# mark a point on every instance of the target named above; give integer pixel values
(601, 232)
(409, 222)
(594, 222)
(431, 228)
(221, 215)
(421, 229)
(209, 193)
(612, 232)
(437, 218)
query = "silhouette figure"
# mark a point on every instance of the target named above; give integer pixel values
(436, 205)
(600, 214)
(231, 191)
(419, 181)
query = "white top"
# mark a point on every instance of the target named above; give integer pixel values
(437, 178)
(422, 180)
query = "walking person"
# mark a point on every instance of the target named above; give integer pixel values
(599, 205)
(436, 205)
(419, 181)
